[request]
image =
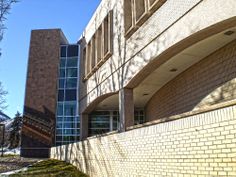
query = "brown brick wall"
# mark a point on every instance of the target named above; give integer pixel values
(210, 81)
(41, 92)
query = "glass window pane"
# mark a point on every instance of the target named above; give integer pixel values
(60, 119)
(58, 138)
(69, 119)
(62, 73)
(78, 125)
(59, 125)
(61, 83)
(72, 50)
(63, 63)
(63, 51)
(60, 109)
(105, 125)
(70, 95)
(61, 95)
(58, 131)
(71, 72)
(71, 83)
(68, 132)
(66, 138)
(72, 62)
(69, 125)
(69, 109)
(72, 138)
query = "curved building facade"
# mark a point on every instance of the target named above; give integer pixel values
(162, 57)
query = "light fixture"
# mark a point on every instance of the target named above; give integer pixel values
(173, 70)
(228, 33)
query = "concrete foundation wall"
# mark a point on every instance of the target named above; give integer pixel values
(203, 144)
(210, 81)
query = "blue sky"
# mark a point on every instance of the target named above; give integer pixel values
(71, 16)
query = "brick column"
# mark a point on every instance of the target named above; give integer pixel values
(126, 108)
(83, 126)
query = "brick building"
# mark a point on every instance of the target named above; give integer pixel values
(157, 85)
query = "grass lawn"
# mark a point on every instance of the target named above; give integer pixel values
(52, 168)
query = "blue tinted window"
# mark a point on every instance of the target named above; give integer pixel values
(63, 63)
(69, 125)
(62, 73)
(63, 51)
(69, 119)
(71, 72)
(60, 109)
(60, 95)
(61, 83)
(69, 109)
(72, 62)
(71, 83)
(72, 50)
(70, 95)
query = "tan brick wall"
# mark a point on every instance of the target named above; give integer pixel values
(210, 81)
(201, 145)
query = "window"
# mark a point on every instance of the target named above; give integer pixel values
(139, 117)
(60, 109)
(88, 59)
(136, 12)
(60, 95)
(155, 4)
(62, 72)
(85, 62)
(62, 62)
(69, 109)
(63, 51)
(69, 125)
(67, 121)
(107, 35)
(72, 62)
(129, 16)
(72, 50)
(61, 83)
(71, 72)
(71, 83)
(59, 118)
(100, 47)
(93, 52)
(140, 10)
(70, 95)
(59, 125)
(59, 138)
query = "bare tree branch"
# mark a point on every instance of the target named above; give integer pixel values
(5, 6)
(3, 93)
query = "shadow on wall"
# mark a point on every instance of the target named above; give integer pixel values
(88, 156)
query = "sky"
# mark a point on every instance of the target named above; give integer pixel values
(71, 16)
